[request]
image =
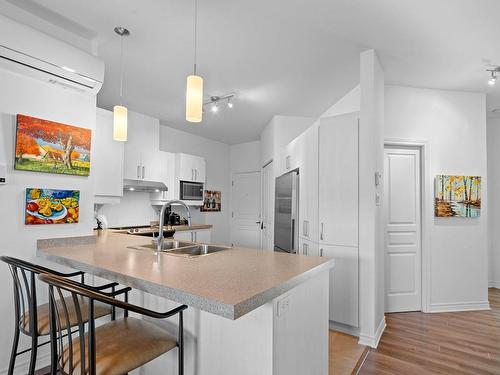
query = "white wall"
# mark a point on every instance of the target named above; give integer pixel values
(349, 103)
(245, 157)
(371, 149)
(19, 94)
(454, 126)
(493, 139)
(217, 156)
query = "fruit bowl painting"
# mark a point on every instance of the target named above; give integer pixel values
(47, 206)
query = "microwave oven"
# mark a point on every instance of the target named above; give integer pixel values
(191, 191)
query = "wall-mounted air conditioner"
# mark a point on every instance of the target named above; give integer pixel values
(27, 51)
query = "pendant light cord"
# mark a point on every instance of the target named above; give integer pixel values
(195, 31)
(121, 69)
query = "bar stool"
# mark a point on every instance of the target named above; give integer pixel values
(113, 348)
(32, 319)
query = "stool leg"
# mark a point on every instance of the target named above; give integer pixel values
(34, 349)
(13, 354)
(181, 344)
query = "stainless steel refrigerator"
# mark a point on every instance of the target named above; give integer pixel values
(286, 213)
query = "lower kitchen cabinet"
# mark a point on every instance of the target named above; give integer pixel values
(307, 247)
(343, 284)
(204, 236)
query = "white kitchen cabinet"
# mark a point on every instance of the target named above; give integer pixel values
(167, 162)
(142, 159)
(344, 292)
(107, 160)
(288, 158)
(338, 180)
(307, 247)
(190, 168)
(202, 235)
(307, 159)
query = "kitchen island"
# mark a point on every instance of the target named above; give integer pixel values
(251, 311)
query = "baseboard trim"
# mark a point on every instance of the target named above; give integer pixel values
(459, 306)
(344, 328)
(494, 284)
(372, 341)
(42, 361)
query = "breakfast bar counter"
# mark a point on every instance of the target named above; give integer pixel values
(253, 310)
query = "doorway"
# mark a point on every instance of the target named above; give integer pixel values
(245, 217)
(267, 207)
(403, 228)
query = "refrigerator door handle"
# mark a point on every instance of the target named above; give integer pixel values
(293, 236)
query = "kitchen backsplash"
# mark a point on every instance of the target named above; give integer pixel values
(135, 209)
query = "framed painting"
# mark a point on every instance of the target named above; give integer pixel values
(51, 147)
(211, 201)
(457, 196)
(48, 206)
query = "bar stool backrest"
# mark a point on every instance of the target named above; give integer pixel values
(25, 298)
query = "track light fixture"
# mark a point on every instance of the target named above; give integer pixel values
(215, 100)
(494, 73)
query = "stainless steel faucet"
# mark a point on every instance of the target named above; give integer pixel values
(159, 241)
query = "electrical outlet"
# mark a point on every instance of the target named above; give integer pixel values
(283, 305)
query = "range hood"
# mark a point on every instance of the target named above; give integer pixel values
(144, 186)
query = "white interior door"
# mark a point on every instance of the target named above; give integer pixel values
(402, 230)
(245, 228)
(267, 242)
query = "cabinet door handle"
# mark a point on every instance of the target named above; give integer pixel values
(306, 228)
(320, 252)
(138, 172)
(321, 237)
(305, 249)
(192, 174)
(196, 174)
(143, 171)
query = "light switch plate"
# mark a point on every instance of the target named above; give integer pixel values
(3, 174)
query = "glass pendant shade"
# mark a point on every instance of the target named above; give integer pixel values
(194, 98)
(120, 123)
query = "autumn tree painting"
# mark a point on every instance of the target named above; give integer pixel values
(48, 146)
(457, 196)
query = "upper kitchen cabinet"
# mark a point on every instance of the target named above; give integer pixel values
(338, 180)
(190, 168)
(107, 160)
(142, 155)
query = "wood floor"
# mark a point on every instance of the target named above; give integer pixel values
(444, 343)
(345, 353)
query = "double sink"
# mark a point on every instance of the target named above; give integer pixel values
(180, 248)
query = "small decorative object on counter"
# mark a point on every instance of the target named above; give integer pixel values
(46, 206)
(51, 147)
(457, 196)
(212, 201)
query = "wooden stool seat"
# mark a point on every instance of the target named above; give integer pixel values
(121, 346)
(100, 310)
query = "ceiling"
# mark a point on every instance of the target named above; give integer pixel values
(284, 57)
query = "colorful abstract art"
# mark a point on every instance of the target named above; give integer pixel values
(51, 147)
(47, 206)
(458, 196)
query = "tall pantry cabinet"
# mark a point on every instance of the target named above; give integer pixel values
(338, 212)
(326, 155)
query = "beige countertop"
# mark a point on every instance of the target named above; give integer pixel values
(229, 283)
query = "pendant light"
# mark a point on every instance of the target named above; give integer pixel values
(120, 112)
(194, 83)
